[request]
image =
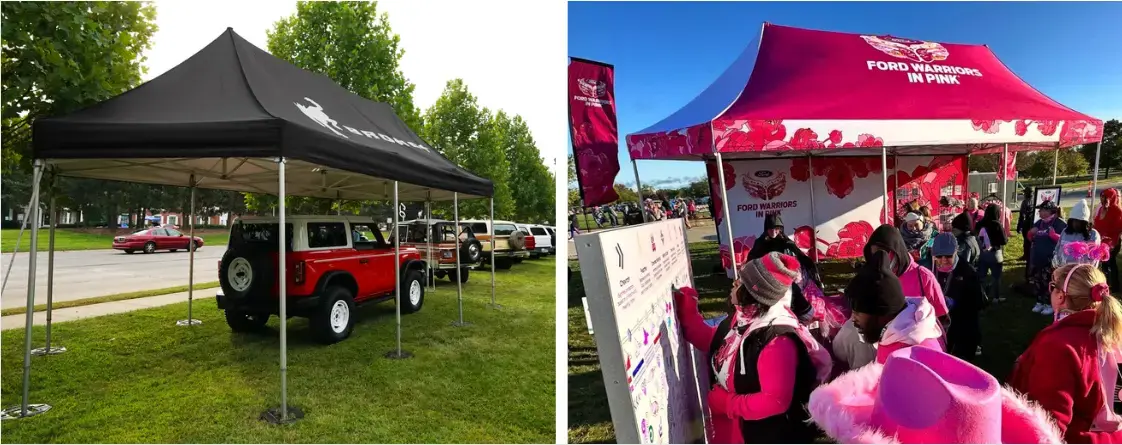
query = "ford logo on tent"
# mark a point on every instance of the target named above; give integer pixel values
(764, 174)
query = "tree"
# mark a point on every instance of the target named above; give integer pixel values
(58, 57)
(626, 194)
(354, 46)
(572, 172)
(535, 196)
(1039, 164)
(471, 138)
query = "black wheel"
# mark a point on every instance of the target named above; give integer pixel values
(412, 292)
(172, 250)
(241, 321)
(244, 273)
(503, 263)
(518, 260)
(194, 246)
(471, 251)
(441, 273)
(335, 319)
(129, 251)
(462, 275)
(149, 247)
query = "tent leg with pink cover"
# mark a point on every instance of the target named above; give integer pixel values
(1095, 177)
(728, 217)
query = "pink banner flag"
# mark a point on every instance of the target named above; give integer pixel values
(592, 126)
(1010, 167)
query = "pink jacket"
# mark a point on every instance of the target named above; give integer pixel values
(919, 281)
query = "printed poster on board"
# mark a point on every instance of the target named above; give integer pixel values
(1051, 193)
(649, 368)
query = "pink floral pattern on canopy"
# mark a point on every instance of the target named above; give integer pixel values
(800, 90)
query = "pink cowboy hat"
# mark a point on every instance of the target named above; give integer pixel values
(921, 395)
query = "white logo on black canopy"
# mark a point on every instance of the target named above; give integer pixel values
(315, 113)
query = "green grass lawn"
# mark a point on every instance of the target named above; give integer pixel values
(69, 239)
(136, 377)
(1007, 330)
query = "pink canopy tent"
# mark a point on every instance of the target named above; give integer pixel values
(810, 94)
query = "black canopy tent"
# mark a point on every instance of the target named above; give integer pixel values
(234, 117)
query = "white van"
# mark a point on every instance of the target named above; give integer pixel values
(543, 239)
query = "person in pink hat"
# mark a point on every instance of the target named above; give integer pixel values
(883, 317)
(921, 395)
(763, 362)
(1071, 367)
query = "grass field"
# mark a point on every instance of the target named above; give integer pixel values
(70, 239)
(136, 377)
(1007, 330)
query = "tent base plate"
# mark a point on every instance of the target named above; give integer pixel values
(48, 351)
(495, 306)
(190, 322)
(399, 355)
(461, 323)
(273, 415)
(15, 412)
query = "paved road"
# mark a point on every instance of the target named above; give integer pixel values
(95, 273)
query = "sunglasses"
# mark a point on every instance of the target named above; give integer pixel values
(943, 257)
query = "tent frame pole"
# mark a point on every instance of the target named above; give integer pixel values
(431, 275)
(26, 409)
(53, 212)
(1004, 184)
(1095, 177)
(191, 321)
(1055, 162)
(284, 414)
(493, 304)
(728, 215)
(813, 218)
(639, 189)
(397, 353)
(459, 271)
(884, 175)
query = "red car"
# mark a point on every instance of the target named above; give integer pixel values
(151, 240)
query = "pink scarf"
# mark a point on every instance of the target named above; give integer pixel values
(778, 315)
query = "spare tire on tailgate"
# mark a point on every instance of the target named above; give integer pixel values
(517, 240)
(246, 272)
(471, 251)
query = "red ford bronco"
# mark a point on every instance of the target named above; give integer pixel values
(333, 263)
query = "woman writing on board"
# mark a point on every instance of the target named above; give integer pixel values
(762, 362)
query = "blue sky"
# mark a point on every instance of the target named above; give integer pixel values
(666, 53)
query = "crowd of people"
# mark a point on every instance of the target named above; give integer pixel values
(625, 213)
(899, 365)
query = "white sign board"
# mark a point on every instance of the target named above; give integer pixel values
(648, 367)
(1046, 194)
